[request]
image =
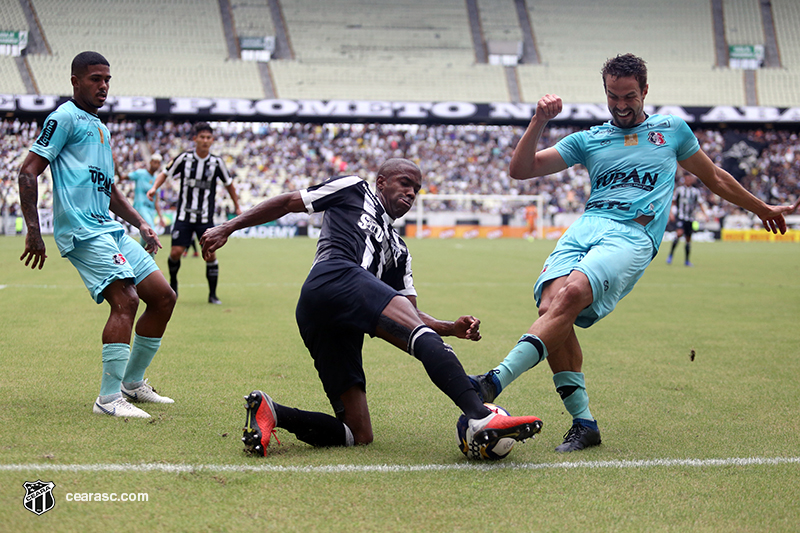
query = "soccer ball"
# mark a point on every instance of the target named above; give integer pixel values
(494, 451)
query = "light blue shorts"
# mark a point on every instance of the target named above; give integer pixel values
(612, 254)
(107, 258)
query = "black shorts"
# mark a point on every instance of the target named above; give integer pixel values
(687, 226)
(182, 232)
(339, 303)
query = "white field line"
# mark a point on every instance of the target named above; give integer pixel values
(335, 469)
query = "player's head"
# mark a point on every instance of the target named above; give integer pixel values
(90, 77)
(203, 137)
(398, 182)
(155, 162)
(625, 83)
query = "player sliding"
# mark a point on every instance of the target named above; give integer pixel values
(632, 161)
(361, 283)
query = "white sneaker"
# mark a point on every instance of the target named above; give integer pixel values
(119, 407)
(145, 393)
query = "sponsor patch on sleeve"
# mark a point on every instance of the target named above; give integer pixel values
(47, 132)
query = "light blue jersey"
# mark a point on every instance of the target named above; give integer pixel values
(143, 181)
(632, 170)
(78, 146)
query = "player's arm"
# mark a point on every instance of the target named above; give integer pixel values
(159, 181)
(120, 206)
(725, 186)
(235, 197)
(34, 253)
(466, 327)
(527, 162)
(268, 210)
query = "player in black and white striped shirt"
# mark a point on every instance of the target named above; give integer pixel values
(685, 201)
(361, 283)
(198, 171)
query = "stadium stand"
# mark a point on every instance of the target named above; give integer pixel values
(252, 18)
(778, 87)
(12, 17)
(675, 38)
(156, 48)
(409, 50)
(499, 20)
(405, 50)
(9, 73)
(743, 22)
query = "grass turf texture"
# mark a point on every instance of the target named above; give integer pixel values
(737, 309)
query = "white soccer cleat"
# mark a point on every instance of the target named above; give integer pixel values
(119, 407)
(145, 393)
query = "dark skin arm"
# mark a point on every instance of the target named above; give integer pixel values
(34, 253)
(465, 327)
(267, 211)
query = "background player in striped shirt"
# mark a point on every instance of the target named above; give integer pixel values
(198, 171)
(685, 201)
(77, 147)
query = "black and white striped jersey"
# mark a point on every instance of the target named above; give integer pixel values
(686, 200)
(198, 185)
(356, 228)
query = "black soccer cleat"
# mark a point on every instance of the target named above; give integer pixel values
(579, 437)
(484, 386)
(212, 299)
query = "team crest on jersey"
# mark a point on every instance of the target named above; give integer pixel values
(656, 138)
(38, 497)
(119, 259)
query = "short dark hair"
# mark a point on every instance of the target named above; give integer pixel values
(85, 60)
(626, 66)
(201, 126)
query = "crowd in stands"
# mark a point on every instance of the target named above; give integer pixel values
(268, 159)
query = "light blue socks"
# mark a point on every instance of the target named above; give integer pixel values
(528, 352)
(142, 353)
(571, 386)
(115, 359)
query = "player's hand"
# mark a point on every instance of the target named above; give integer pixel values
(151, 194)
(212, 240)
(467, 327)
(34, 254)
(796, 205)
(773, 220)
(548, 107)
(151, 242)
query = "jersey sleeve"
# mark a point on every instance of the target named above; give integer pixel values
(571, 148)
(687, 142)
(175, 166)
(330, 192)
(224, 175)
(55, 134)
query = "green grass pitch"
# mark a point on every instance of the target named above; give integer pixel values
(709, 444)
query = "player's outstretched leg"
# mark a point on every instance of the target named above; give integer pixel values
(486, 431)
